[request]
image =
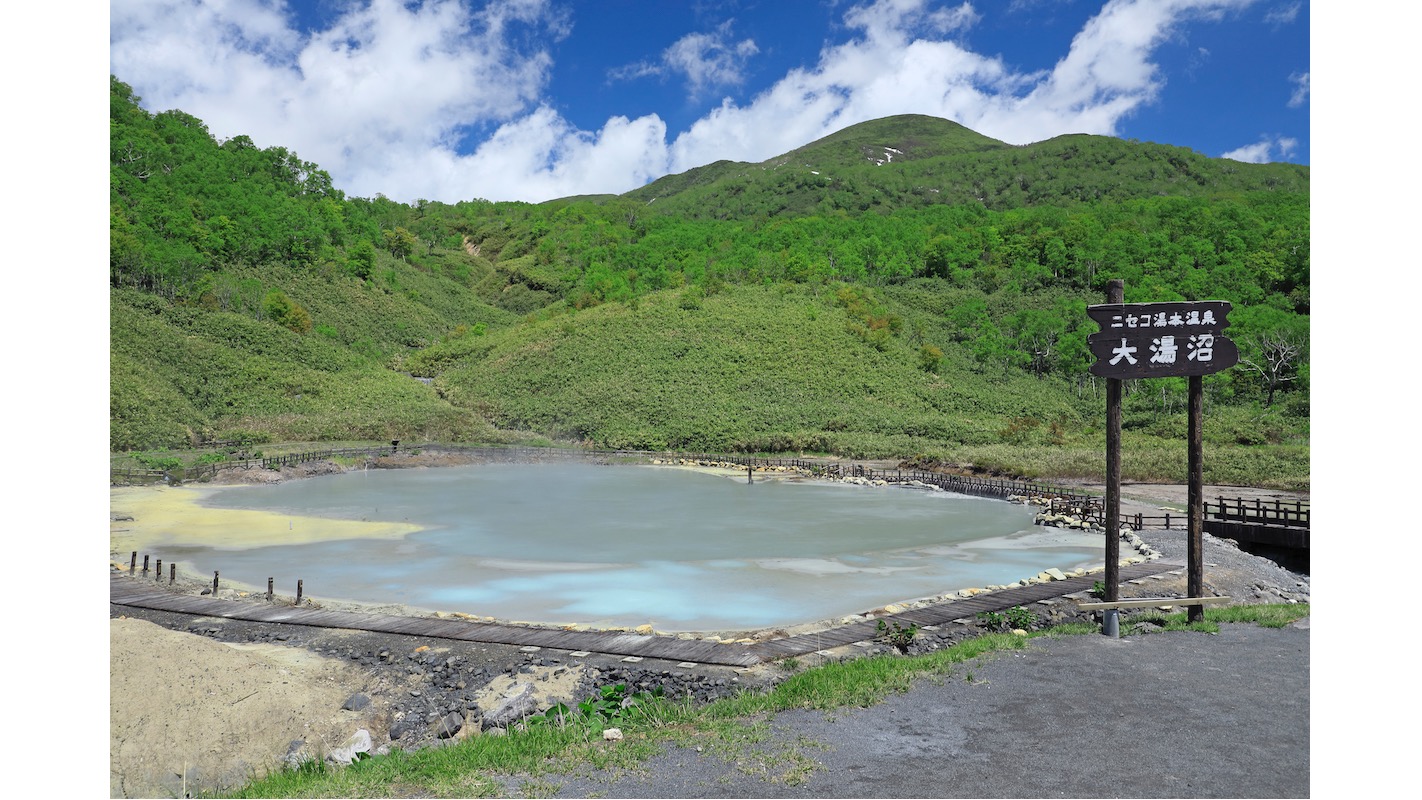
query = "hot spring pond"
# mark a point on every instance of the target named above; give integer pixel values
(626, 545)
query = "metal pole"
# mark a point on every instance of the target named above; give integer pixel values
(1195, 567)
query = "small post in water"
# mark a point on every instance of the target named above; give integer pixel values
(214, 583)
(158, 570)
(298, 591)
(269, 589)
(172, 572)
(145, 564)
(133, 562)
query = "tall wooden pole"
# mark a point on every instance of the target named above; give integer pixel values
(1195, 566)
(1115, 294)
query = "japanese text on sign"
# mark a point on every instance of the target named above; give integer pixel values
(1146, 340)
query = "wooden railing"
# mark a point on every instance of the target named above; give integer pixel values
(1259, 512)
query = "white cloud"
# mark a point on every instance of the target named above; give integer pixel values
(1263, 151)
(382, 97)
(384, 85)
(1283, 14)
(1300, 95)
(708, 61)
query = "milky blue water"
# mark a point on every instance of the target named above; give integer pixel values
(627, 545)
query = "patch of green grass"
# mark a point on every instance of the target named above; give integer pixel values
(1273, 615)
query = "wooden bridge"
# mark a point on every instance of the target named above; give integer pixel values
(135, 592)
(1274, 524)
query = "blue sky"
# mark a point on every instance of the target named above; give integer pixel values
(536, 99)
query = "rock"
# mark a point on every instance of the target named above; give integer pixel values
(356, 702)
(1055, 574)
(346, 753)
(295, 753)
(405, 726)
(518, 704)
(449, 725)
(612, 735)
(645, 630)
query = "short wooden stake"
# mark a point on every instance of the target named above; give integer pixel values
(269, 588)
(172, 572)
(298, 591)
(145, 563)
(214, 583)
(133, 562)
(158, 570)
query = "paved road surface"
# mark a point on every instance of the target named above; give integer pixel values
(1158, 715)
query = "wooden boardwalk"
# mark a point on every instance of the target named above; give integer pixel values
(140, 593)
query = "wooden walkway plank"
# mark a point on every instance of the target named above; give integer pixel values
(137, 593)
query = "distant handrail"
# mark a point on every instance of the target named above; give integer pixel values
(1258, 512)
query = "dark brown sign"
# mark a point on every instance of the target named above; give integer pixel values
(1161, 340)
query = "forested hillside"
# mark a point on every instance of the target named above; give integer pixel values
(902, 288)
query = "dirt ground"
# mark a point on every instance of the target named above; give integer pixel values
(222, 713)
(219, 713)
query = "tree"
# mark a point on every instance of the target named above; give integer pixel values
(361, 259)
(1277, 358)
(283, 311)
(400, 242)
(1035, 333)
(1273, 347)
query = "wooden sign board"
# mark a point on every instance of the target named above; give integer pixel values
(1161, 340)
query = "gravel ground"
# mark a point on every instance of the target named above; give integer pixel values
(1155, 715)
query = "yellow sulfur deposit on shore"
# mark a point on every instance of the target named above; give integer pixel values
(145, 518)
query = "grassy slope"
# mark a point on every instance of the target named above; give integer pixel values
(751, 369)
(777, 369)
(177, 371)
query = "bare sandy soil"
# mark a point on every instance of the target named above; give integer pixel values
(188, 714)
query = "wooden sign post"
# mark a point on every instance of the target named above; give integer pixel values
(1157, 340)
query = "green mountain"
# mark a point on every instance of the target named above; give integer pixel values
(912, 161)
(904, 287)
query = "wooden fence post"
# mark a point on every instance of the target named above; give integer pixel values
(132, 562)
(172, 572)
(298, 591)
(158, 570)
(145, 563)
(269, 588)
(214, 583)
